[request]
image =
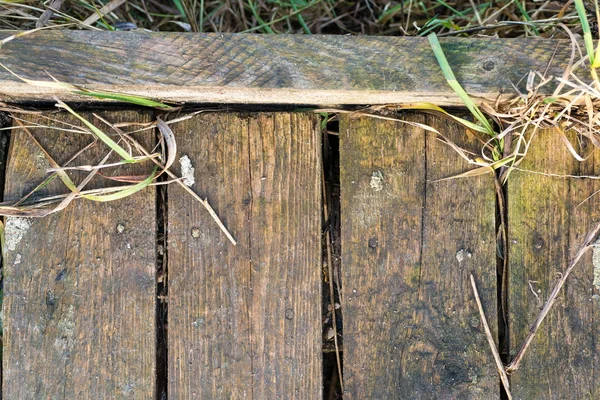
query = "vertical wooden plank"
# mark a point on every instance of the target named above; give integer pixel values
(244, 321)
(79, 293)
(285, 235)
(549, 219)
(209, 279)
(409, 243)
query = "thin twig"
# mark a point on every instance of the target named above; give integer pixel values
(587, 244)
(490, 339)
(54, 5)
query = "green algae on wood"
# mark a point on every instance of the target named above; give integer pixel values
(411, 325)
(548, 219)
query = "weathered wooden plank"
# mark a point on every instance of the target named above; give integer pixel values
(409, 243)
(547, 224)
(281, 69)
(244, 321)
(79, 293)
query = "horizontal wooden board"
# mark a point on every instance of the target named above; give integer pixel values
(268, 69)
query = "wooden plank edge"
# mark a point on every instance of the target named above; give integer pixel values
(12, 92)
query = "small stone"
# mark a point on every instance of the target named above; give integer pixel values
(120, 228)
(329, 334)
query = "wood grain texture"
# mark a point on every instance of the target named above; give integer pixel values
(411, 325)
(244, 321)
(269, 69)
(79, 297)
(547, 225)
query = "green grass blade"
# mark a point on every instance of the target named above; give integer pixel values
(125, 192)
(38, 187)
(596, 62)
(526, 16)
(201, 17)
(263, 25)
(451, 79)
(67, 181)
(300, 19)
(432, 107)
(386, 15)
(56, 84)
(587, 32)
(274, 21)
(2, 241)
(126, 98)
(101, 135)
(180, 8)
(324, 119)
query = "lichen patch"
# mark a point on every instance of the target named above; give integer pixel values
(66, 328)
(596, 264)
(15, 230)
(462, 254)
(187, 171)
(377, 181)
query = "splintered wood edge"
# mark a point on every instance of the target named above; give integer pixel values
(272, 69)
(22, 92)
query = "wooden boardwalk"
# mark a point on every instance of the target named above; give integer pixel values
(347, 224)
(146, 298)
